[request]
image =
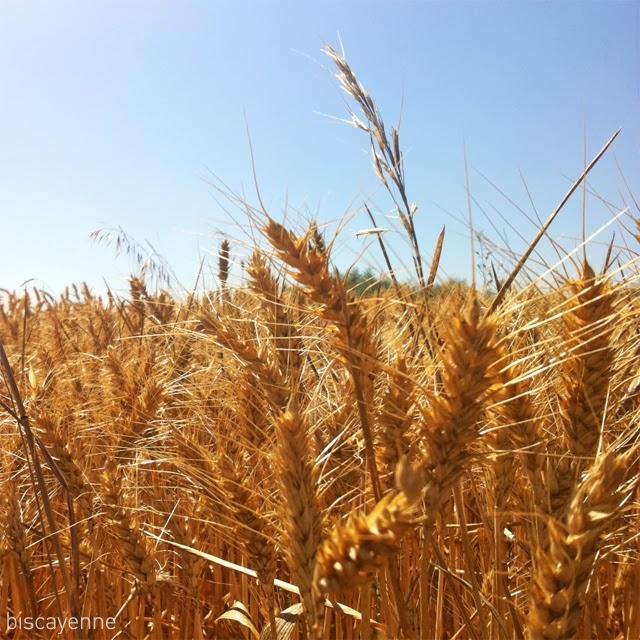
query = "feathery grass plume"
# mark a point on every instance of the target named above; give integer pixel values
(562, 572)
(388, 160)
(301, 514)
(146, 259)
(359, 547)
(590, 322)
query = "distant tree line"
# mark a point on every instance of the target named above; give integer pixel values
(365, 282)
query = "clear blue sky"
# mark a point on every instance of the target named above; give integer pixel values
(113, 113)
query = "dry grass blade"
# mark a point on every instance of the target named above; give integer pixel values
(543, 229)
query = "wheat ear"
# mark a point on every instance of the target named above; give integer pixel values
(586, 374)
(562, 572)
(299, 504)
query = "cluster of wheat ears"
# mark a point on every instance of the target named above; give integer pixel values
(287, 459)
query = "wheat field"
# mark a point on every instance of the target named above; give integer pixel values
(287, 457)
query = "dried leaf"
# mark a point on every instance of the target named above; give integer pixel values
(238, 613)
